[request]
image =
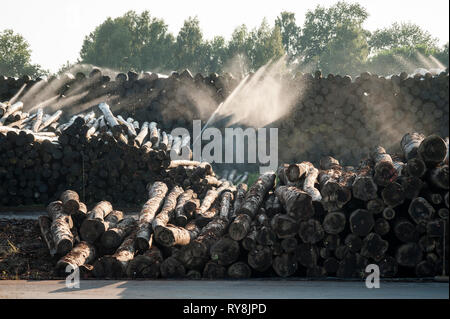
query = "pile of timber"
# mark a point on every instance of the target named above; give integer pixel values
(101, 157)
(343, 117)
(334, 115)
(172, 101)
(305, 221)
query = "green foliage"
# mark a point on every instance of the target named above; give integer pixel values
(267, 45)
(401, 35)
(401, 59)
(290, 33)
(346, 53)
(323, 25)
(131, 41)
(331, 39)
(214, 55)
(15, 56)
(442, 55)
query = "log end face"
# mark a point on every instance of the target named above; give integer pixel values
(91, 230)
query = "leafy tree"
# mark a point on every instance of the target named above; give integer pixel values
(266, 45)
(290, 33)
(401, 59)
(401, 35)
(15, 56)
(442, 55)
(110, 45)
(347, 53)
(189, 46)
(214, 55)
(157, 43)
(239, 50)
(323, 24)
(131, 41)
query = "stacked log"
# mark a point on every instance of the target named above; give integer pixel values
(94, 156)
(357, 113)
(271, 228)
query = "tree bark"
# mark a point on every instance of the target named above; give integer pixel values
(432, 150)
(166, 213)
(295, 172)
(196, 254)
(156, 196)
(309, 184)
(385, 171)
(240, 227)
(60, 228)
(146, 265)
(114, 236)
(410, 144)
(335, 193)
(115, 266)
(172, 235)
(45, 225)
(70, 202)
(256, 194)
(79, 216)
(240, 196)
(82, 254)
(93, 226)
(297, 203)
(364, 187)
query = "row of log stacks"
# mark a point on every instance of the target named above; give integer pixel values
(357, 113)
(100, 157)
(344, 118)
(329, 221)
(151, 97)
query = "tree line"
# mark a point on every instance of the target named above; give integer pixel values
(331, 39)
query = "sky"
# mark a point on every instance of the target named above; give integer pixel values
(55, 29)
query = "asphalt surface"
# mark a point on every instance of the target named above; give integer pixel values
(248, 289)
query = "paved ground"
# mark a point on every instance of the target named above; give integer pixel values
(253, 289)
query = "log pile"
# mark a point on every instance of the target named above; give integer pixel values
(356, 113)
(344, 117)
(169, 101)
(304, 221)
(99, 155)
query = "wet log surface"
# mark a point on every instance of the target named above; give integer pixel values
(316, 220)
